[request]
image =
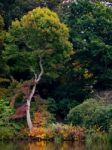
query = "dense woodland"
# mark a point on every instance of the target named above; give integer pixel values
(56, 66)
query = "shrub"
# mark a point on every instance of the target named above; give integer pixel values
(59, 132)
(81, 114)
(6, 133)
(5, 112)
(38, 132)
(43, 119)
(102, 117)
(51, 105)
(8, 128)
(95, 135)
(65, 105)
(91, 113)
(110, 134)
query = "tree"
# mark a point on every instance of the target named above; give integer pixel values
(3, 67)
(90, 32)
(38, 40)
(15, 9)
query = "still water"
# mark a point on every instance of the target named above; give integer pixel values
(52, 146)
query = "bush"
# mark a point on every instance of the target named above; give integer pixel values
(110, 134)
(96, 136)
(5, 112)
(81, 114)
(43, 119)
(91, 113)
(8, 128)
(102, 117)
(6, 133)
(62, 106)
(58, 132)
(51, 105)
(65, 105)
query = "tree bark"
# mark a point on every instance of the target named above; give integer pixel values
(36, 81)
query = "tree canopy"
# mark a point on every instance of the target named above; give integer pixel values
(39, 33)
(90, 32)
(13, 9)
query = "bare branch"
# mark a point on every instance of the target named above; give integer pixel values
(37, 79)
(41, 71)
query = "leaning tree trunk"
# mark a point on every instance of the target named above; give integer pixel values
(37, 79)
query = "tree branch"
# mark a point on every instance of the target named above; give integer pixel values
(41, 71)
(37, 79)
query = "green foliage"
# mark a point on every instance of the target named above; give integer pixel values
(77, 114)
(8, 127)
(94, 135)
(5, 112)
(13, 9)
(4, 82)
(1, 29)
(1, 22)
(6, 133)
(71, 88)
(60, 106)
(2, 33)
(103, 117)
(51, 105)
(92, 113)
(90, 25)
(39, 33)
(3, 92)
(3, 66)
(64, 106)
(110, 134)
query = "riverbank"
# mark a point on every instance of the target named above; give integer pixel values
(51, 133)
(58, 133)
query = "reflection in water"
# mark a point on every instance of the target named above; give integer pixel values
(51, 146)
(56, 146)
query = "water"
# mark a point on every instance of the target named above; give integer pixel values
(52, 146)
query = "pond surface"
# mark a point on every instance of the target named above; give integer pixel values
(52, 146)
